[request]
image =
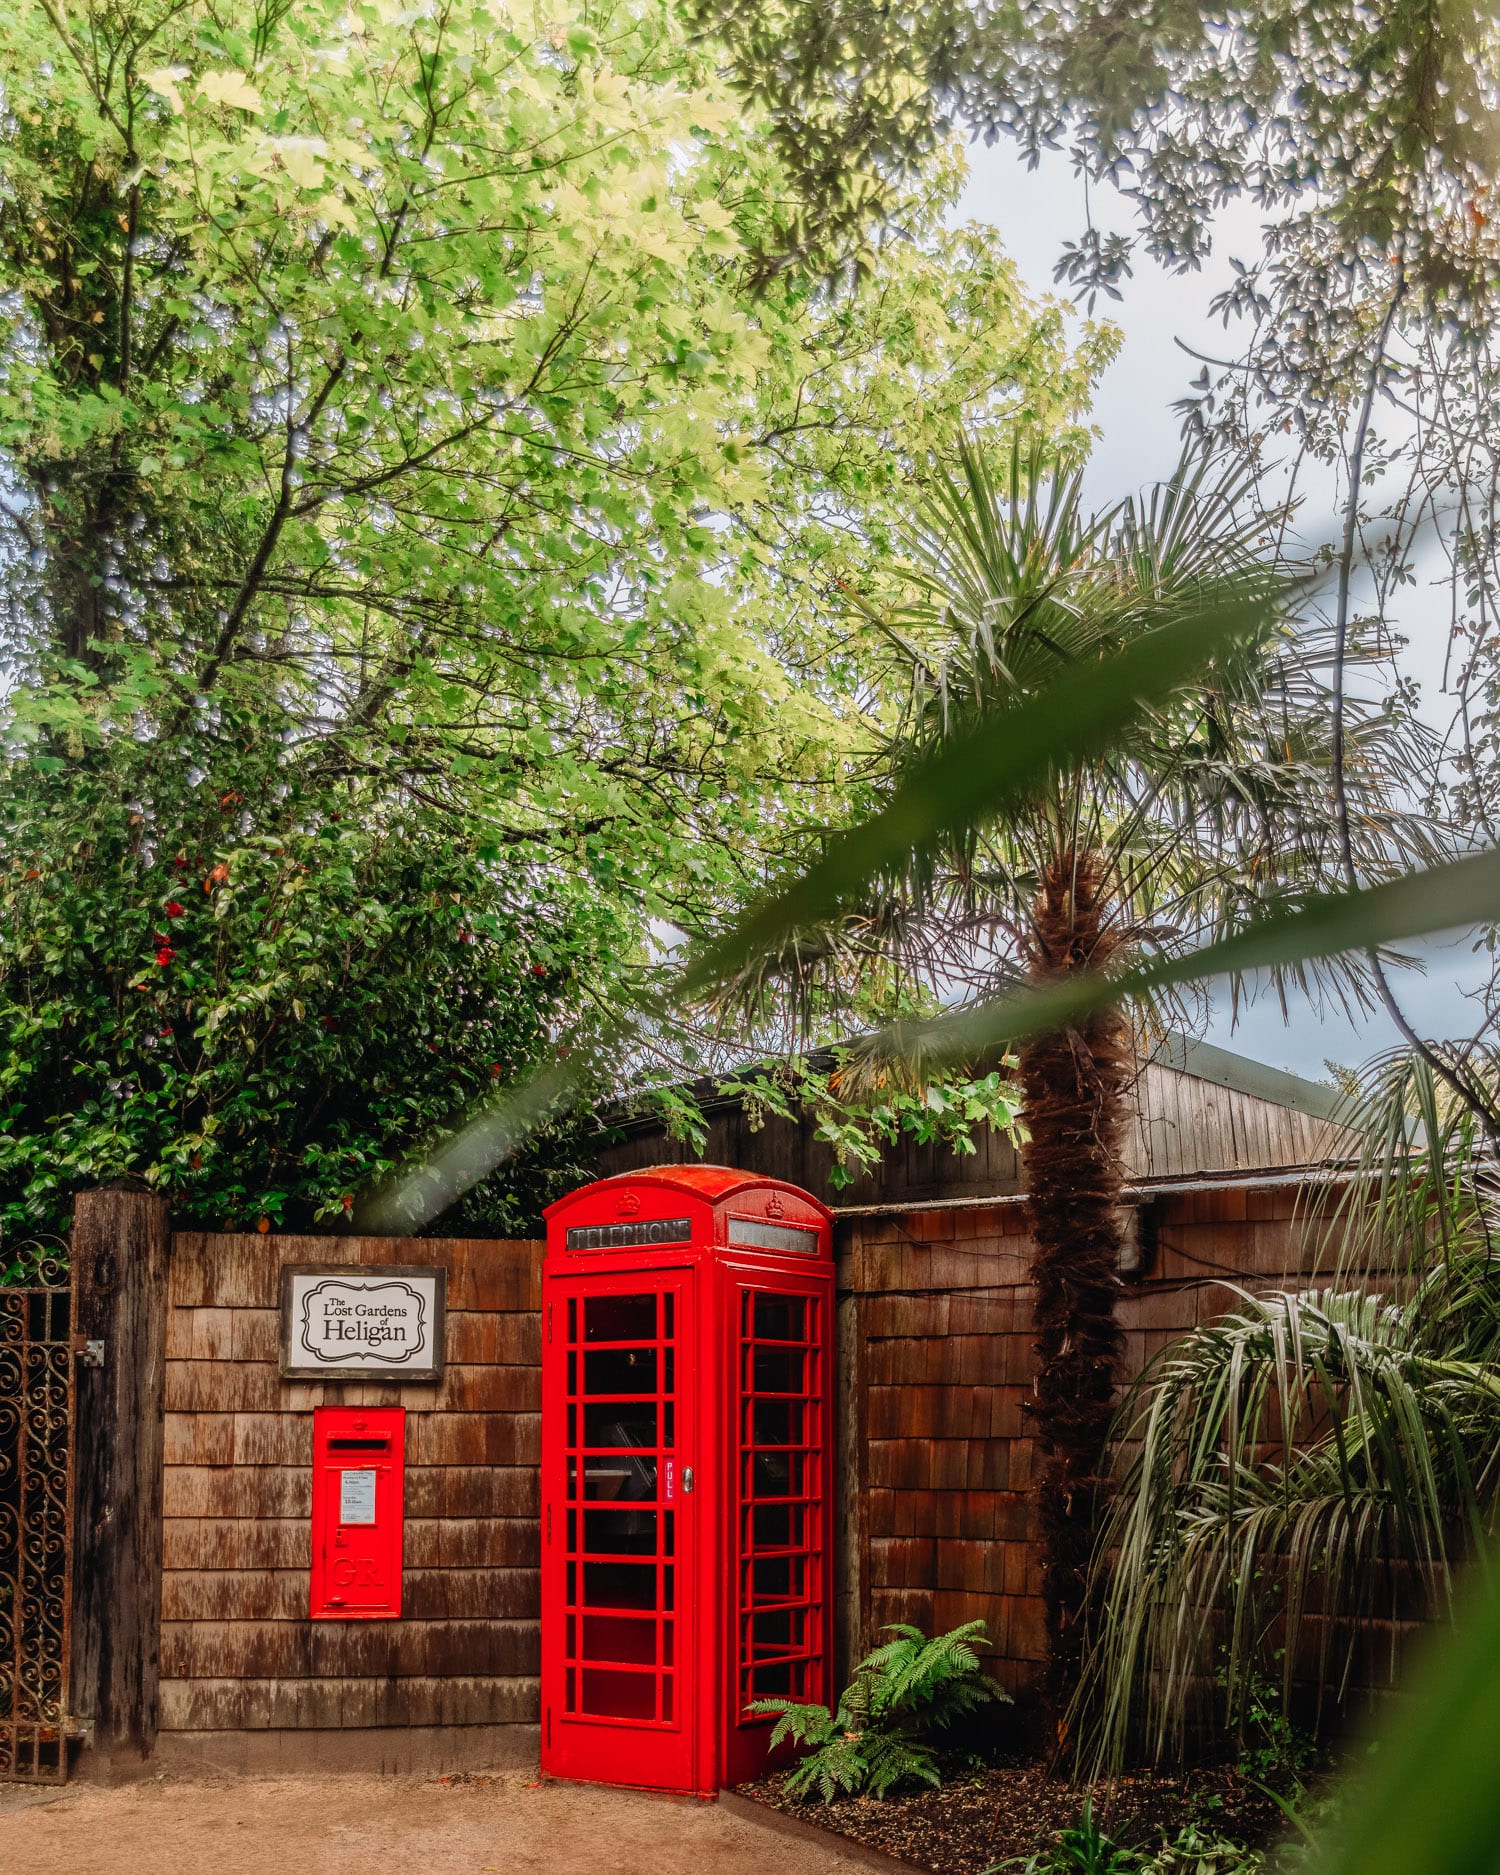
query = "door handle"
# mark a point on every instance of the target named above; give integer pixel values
(687, 1480)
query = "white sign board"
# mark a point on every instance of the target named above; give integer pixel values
(356, 1323)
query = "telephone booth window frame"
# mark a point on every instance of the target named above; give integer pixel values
(779, 1561)
(592, 1677)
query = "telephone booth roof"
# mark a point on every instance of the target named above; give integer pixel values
(710, 1182)
(725, 1207)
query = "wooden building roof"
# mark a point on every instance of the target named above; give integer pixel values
(1200, 1112)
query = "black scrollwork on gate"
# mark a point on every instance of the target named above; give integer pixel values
(36, 1535)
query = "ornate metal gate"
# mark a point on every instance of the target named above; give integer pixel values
(36, 1512)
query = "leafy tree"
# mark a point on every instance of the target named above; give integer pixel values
(419, 398)
(408, 377)
(1361, 351)
(1369, 124)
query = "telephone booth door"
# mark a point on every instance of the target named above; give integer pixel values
(619, 1543)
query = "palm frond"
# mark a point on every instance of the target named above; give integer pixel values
(1200, 805)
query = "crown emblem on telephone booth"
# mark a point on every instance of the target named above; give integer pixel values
(629, 1204)
(775, 1208)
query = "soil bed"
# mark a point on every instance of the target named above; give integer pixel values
(1013, 1809)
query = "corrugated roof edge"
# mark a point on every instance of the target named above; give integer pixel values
(1204, 1061)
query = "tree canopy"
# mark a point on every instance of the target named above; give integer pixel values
(408, 372)
(1359, 361)
(427, 399)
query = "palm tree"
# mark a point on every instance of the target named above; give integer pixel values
(1213, 810)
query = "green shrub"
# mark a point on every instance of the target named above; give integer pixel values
(260, 998)
(1191, 1852)
(1081, 1849)
(1085, 1849)
(885, 1731)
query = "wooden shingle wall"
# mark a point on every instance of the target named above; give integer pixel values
(939, 1521)
(239, 1657)
(937, 1506)
(1182, 1125)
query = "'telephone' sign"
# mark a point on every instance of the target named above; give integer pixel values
(342, 1323)
(644, 1234)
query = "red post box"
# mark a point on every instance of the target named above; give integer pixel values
(358, 1488)
(687, 1503)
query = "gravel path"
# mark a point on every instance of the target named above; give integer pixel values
(352, 1825)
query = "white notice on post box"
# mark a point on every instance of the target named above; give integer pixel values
(352, 1322)
(356, 1497)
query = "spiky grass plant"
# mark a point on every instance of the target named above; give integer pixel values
(890, 1719)
(1302, 1469)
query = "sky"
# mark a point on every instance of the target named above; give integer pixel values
(1035, 212)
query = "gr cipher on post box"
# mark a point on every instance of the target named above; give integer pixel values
(687, 1382)
(358, 1488)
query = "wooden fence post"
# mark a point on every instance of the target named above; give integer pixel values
(121, 1246)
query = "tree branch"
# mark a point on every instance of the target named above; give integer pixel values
(280, 514)
(1463, 1085)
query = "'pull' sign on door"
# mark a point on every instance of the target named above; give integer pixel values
(342, 1323)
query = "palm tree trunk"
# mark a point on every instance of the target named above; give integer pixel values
(1075, 1086)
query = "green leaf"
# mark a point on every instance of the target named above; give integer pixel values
(1430, 1803)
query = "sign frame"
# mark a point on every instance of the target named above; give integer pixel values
(365, 1373)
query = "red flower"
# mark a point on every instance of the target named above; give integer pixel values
(165, 955)
(174, 910)
(539, 970)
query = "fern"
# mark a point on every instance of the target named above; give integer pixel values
(938, 1678)
(898, 1758)
(880, 1734)
(805, 1725)
(839, 1765)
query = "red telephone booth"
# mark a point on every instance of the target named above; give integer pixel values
(687, 1408)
